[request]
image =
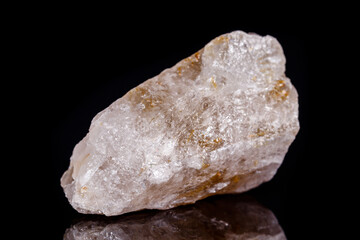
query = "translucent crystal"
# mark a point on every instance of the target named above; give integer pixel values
(219, 121)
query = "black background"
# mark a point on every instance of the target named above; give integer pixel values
(94, 60)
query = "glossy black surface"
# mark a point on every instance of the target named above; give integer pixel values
(220, 217)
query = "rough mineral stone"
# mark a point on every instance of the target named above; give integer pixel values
(228, 217)
(219, 121)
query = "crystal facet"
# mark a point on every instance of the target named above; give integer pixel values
(219, 121)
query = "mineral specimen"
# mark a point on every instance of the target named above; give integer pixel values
(219, 121)
(228, 217)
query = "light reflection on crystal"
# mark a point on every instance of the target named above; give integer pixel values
(219, 121)
(220, 217)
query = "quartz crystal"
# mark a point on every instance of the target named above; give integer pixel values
(219, 121)
(227, 217)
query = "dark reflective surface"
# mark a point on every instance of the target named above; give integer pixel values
(220, 217)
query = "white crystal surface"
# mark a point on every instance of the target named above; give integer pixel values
(219, 121)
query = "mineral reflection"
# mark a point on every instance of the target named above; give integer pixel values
(221, 217)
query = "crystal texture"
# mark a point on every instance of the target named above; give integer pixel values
(228, 217)
(219, 121)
